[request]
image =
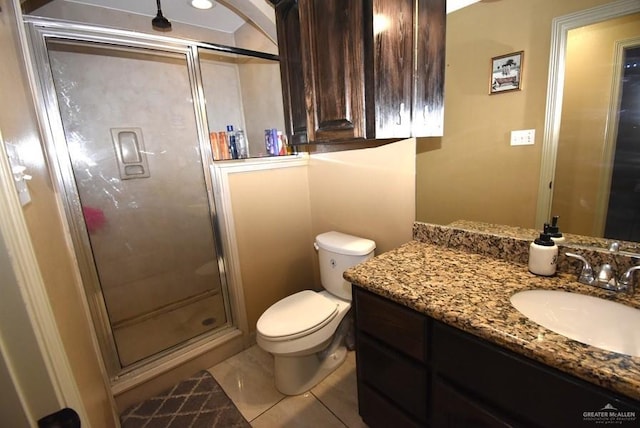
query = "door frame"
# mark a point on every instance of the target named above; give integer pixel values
(36, 305)
(560, 27)
(611, 133)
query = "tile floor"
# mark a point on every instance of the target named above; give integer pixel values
(247, 378)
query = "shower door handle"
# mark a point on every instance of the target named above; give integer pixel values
(129, 147)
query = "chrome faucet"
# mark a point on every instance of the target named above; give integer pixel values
(626, 281)
(605, 276)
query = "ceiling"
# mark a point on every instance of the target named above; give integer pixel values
(218, 18)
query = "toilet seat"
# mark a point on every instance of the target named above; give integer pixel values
(297, 315)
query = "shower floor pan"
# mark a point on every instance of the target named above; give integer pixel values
(147, 335)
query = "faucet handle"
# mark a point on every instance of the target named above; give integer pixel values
(586, 273)
(626, 279)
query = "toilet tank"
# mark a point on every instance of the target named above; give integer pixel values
(336, 253)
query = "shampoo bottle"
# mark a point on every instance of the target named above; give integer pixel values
(233, 148)
(543, 255)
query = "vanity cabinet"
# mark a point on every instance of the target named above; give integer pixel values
(361, 69)
(420, 371)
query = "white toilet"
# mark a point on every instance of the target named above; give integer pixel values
(304, 331)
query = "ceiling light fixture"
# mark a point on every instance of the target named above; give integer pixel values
(201, 4)
(160, 23)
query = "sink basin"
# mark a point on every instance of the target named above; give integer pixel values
(601, 323)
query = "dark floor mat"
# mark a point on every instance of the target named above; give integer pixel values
(197, 402)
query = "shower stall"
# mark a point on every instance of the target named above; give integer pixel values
(128, 144)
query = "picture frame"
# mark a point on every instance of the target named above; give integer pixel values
(506, 73)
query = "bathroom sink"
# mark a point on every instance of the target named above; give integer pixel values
(591, 320)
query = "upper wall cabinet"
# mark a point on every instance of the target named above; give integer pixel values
(361, 69)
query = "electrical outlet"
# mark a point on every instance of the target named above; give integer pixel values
(523, 137)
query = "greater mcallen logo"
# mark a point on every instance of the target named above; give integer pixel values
(609, 415)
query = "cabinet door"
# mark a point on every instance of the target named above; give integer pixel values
(378, 412)
(428, 108)
(393, 66)
(394, 325)
(289, 46)
(452, 409)
(530, 393)
(333, 63)
(400, 379)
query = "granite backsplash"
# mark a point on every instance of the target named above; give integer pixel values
(512, 244)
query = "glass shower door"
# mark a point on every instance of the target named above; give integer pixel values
(144, 208)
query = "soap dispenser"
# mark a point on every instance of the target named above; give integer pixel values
(554, 231)
(543, 255)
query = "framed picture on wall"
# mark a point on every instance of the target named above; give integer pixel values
(506, 72)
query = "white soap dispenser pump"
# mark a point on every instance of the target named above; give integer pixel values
(543, 255)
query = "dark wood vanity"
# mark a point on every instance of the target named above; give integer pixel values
(415, 371)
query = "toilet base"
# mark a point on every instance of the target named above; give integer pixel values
(296, 375)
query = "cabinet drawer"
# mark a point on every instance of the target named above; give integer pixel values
(400, 379)
(452, 409)
(391, 323)
(377, 412)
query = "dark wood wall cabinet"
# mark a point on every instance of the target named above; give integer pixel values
(414, 371)
(361, 69)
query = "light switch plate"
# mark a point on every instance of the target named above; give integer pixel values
(523, 137)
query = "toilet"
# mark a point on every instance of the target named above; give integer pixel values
(306, 331)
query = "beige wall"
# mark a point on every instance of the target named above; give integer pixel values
(19, 127)
(367, 193)
(472, 172)
(587, 93)
(277, 214)
(272, 217)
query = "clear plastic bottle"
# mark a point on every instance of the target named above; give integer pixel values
(241, 143)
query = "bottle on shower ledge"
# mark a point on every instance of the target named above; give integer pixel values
(233, 147)
(241, 143)
(223, 145)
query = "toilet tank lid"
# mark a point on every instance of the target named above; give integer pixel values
(342, 243)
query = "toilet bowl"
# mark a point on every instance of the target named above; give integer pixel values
(306, 331)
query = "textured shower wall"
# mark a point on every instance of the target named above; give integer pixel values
(261, 88)
(222, 92)
(155, 245)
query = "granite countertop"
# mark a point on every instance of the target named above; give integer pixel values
(471, 291)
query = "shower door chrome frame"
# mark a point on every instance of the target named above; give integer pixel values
(40, 30)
